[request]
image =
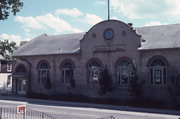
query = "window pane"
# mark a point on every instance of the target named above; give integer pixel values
(44, 66)
(158, 62)
(39, 78)
(20, 85)
(164, 78)
(158, 76)
(151, 71)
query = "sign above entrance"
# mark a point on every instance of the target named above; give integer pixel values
(109, 48)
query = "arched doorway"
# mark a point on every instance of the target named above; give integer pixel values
(19, 80)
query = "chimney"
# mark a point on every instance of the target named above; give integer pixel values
(130, 24)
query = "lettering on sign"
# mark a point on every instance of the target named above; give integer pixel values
(110, 48)
(21, 109)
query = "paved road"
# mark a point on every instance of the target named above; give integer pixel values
(72, 110)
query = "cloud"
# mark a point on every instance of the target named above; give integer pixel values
(126, 7)
(140, 9)
(101, 2)
(154, 23)
(114, 17)
(70, 12)
(29, 22)
(56, 23)
(86, 18)
(47, 21)
(175, 8)
(12, 37)
(91, 19)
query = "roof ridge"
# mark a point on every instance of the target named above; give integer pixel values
(29, 43)
(157, 25)
(68, 34)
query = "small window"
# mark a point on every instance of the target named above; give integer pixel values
(158, 72)
(123, 33)
(94, 35)
(9, 66)
(108, 34)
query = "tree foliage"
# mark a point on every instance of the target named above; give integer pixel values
(105, 82)
(174, 86)
(136, 85)
(23, 42)
(7, 48)
(9, 6)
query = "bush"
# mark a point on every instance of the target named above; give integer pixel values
(105, 82)
(136, 86)
(47, 84)
(72, 82)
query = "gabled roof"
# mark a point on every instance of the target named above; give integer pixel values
(160, 37)
(53, 44)
(155, 37)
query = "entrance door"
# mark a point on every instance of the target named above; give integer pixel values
(21, 87)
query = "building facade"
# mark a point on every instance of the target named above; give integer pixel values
(141, 62)
(5, 75)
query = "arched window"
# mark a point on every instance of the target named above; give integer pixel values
(43, 69)
(67, 72)
(125, 72)
(94, 71)
(158, 70)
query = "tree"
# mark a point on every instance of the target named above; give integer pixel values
(136, 85)
(23, 42)
(7, 6)
(105, 82)
(7, 48)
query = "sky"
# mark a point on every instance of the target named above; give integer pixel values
(73, 16)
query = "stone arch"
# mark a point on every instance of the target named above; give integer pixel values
(157, 57)
(65, 61)
(41, 62)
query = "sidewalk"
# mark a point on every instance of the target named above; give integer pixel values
(90, 105)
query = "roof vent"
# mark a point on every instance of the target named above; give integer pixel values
(142, 40)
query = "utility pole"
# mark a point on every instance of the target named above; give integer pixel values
(108, 10)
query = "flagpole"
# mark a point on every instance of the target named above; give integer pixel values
(108, 11)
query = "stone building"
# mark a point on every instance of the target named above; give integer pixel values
(139, 60)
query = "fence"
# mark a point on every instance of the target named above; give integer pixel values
(11, 113)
